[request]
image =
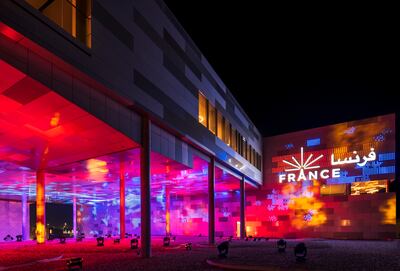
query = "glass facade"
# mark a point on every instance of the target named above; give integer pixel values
(74, 16)
(202, 110)
(214, 120)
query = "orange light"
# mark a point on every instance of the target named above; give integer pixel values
(40, 208)
(304, 205)
(388, 210)
(96, 166)
(167, 222)
(345, 222)
(55, 120)
(167, 212)
(238, 229)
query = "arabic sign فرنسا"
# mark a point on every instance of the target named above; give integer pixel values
(309, 170)
(349, 160)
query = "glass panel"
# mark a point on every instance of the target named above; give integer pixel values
(227, 132)
(211, 118)
(74, 16)
(227, 202)
(245, 150)
(220, 126)
(233, 139)
(202, 109)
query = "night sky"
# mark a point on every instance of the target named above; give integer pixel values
(298, 67)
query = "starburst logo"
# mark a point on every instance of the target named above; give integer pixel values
(302, 165)
(305, 164)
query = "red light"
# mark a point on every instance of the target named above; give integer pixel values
(10, 33)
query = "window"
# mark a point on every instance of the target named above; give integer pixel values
(202, 109)
(245, 150)
(227, 133)
(345, 222)
(216, 123)
(233, 139)
(333, 189)
(220, 126)
(211, 118)
(369, 187)
(74, 16)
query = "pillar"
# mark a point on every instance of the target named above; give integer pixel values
(122, 201)
(25, 220)
(167, 211)
(397, 171)
(145, 188)
(74, 216)
(211, 201)
(242, 208)
(40, 208)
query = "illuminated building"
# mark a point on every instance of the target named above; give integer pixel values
(342, 183)
(116, 113)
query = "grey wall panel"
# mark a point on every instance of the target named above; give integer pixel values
(242, 118)
(108, 20)
(215, 96)
(213, 74)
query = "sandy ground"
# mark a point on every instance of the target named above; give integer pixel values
(322, 255)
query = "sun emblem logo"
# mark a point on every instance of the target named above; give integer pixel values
(301, 166)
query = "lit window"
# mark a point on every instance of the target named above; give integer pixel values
(212, 118)
(202, 109)
(74, 16)
(216, 123)
(333, 189)
(227, 132)
(345, 222)
(220, 126)
(233, 139)
(369, 187)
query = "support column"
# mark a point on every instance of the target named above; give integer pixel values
(74, 216)
(25, 225)
(122, 201)
(167, 212)
(145, 188)
(40, 208)
(211, 201)
(397, 170)
(242, 209)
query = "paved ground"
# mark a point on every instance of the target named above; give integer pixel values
(322, 255)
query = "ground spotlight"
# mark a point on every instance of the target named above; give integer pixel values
(300, 252)
(281, 244)
(223, 249)
(100, 241)
(134, 243)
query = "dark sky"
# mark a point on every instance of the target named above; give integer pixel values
(297, 67)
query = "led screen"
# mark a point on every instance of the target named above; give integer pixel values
(335, 181)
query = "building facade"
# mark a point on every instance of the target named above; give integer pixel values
(114, 111)
(129, 68)
(336, 182)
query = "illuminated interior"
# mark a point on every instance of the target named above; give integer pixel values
(45, 137)
(73, 16)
